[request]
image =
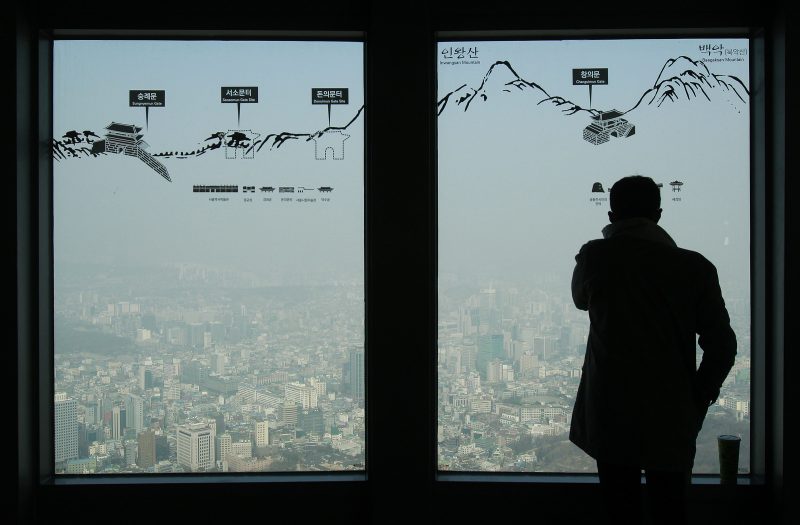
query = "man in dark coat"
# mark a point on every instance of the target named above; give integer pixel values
(641, 400)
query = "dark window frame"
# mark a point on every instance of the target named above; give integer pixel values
(400, 266)
(758, 197)
(47, 351)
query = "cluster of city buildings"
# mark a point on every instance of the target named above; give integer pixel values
(509, 366)
(196, 382)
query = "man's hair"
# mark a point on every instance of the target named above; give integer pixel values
(635, 196)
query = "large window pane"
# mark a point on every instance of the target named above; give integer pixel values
(530, 137)
(208, 253)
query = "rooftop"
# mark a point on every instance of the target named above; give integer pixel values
(123, 128)
(608, 115)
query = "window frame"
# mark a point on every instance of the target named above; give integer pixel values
(394, 228)
(758, 203)
(47, 351)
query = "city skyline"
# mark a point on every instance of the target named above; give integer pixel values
(263, 374)
(509, 364)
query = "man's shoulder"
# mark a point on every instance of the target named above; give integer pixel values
(674, 253)
(594, 244)
(695, 258)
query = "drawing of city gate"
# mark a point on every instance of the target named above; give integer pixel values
(125, 139)
(606, 125)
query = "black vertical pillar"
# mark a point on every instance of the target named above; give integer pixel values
(23, 374)
(400, 382)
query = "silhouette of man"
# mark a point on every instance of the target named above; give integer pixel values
(641, 400)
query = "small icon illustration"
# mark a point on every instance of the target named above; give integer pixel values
(597, 187)
(325, 189)
(215, 188)
(248, 189)
(676, 185)
(269, 189)
(238, 143)
(332, 141)
(286, 189)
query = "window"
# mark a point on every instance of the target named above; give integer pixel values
(208, 256)
(400, 194)
(531, 135)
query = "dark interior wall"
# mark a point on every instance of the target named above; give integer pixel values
(400, 269)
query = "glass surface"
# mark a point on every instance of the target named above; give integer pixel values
(531, 135)
(208, 253)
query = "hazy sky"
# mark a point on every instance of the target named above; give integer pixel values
(515, 176)
(116, 209)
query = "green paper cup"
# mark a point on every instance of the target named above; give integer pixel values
(728, 458)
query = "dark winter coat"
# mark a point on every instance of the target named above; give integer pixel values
(641, 400)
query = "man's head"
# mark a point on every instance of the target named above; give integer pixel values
(635, 196)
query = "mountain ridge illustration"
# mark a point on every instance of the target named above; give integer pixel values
(680, 79)
(75, 145)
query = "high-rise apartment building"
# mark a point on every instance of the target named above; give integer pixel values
(145, 378)
(147, 449)
(499, 371)
(494, 371)
(218, 363)
(490, 347)
(134, 413)
(66, 428)
(116, 422)
(311, 421)
(195, 445)
(303, 395)
(224, 446)
(528, 362)
(320, 386)
(288, 413)
(131, 448)
(518, 349)
(543, 347)
(219, 423)
(261, 432)
(242, 448)
(356, 373)
(469, 356)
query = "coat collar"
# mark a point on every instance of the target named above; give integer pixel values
(640, 228)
